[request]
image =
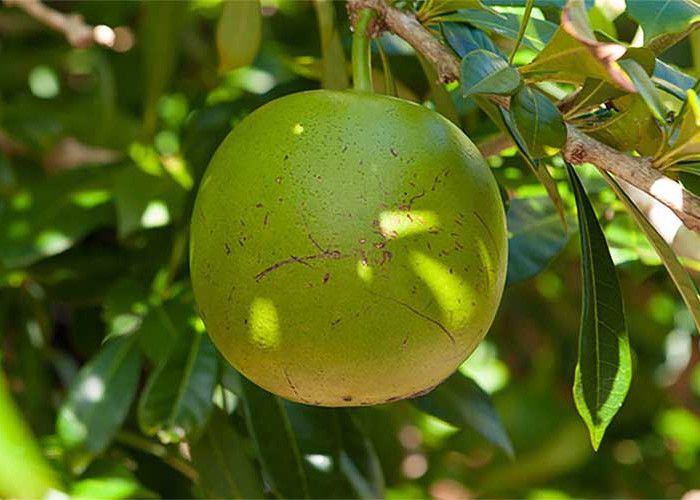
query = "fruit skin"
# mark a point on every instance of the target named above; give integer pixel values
(347, 248)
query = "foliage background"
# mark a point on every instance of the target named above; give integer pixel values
(103, 153)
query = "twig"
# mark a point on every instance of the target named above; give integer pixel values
(579, 147)
(140, 443)
(78, 33)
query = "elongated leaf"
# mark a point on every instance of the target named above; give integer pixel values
(334, 74)
(319, 435)
(484, 72)
(225, 469)
(645, 86)
(538, 122)
(461, 402)
(665, 22)
(671, 80)
(537, 34)
(463, 39)
(535, 236)
(275, 442)
(359, 460)
(438, 92)
(23, 471)
(539, 168)
(160, 33)
(684, 283)
(99, 399)
(238, 34)
(178, 395)
(604, 368)
(523, 26)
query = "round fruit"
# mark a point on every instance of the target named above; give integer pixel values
(347, 248)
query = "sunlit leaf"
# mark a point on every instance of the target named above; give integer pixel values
(177, 398)
(645, 86)
(484, 72)
(225, 469)
(23, 471)
(665, 22)
(604, 367)
(684, 283)
(99, 399)
(462, 403)
(238, 34)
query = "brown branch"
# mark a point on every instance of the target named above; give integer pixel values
(579, 147)
(78, 33)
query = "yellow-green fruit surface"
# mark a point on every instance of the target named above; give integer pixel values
(347, 248)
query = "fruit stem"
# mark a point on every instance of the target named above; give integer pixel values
(361, 53)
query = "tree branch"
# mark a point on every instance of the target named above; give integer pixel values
(78, 33)
(579, 148)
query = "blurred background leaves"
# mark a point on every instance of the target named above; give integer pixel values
(103, 355)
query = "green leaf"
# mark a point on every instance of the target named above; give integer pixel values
(684, 283)
(433, 8)
(483, 72)
(523, 26)
(275, 442)
(671, 80)
(49, 215)
(99, 400)
(537, 34)
(225, 469)
(178, 395)
(538, 122)
(539, 168)
(23, 471)
(335, 75)
(358, 460)
(665, 22)
(238, 34)
(109, 488)
(439, 94)
(645, 86)
(461, 402)
(573, 59)
(160, 33)
(535, 236)
(631, 128)
(123, 307)
(604, 368)
(463, 39)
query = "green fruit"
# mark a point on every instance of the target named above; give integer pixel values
(347, 248)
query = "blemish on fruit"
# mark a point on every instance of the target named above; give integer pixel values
(393, 152)
(347, 398)
(278, 179)
(228, 249)
(326, 278)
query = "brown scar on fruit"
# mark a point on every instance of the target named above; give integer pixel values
(416, 312)
(267, 218)
(326, 254)
(228, 249)
(326, 278)
(290, 383)
(393, 152)
(347, 398)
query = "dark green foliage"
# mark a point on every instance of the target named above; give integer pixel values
(105, 359)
